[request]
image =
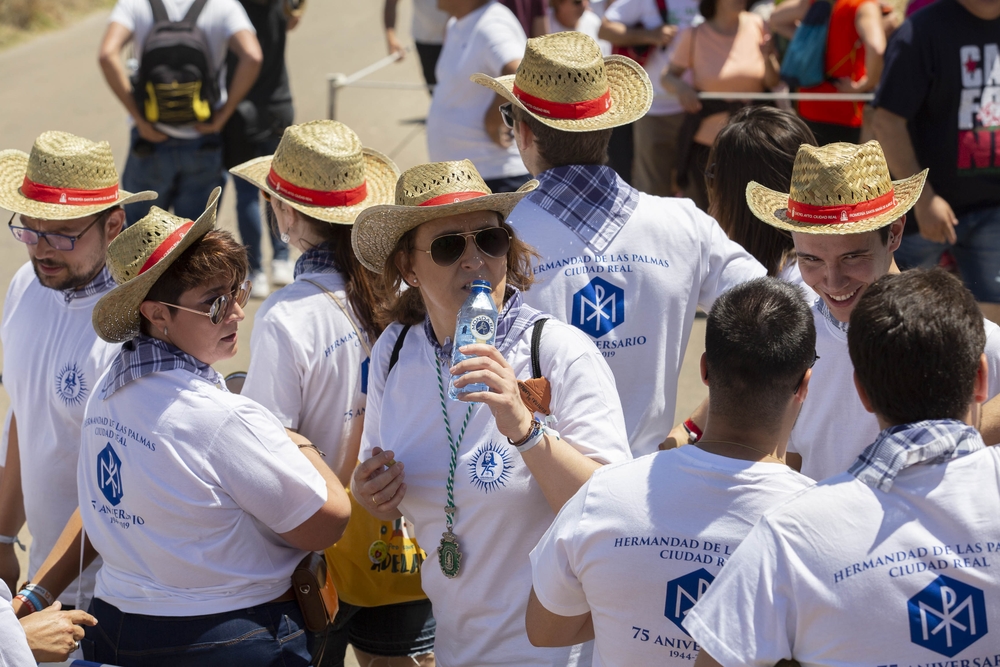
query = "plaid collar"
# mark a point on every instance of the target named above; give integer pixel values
(144, 355)
(101, 283)
(899, 447)
(318, 259)
(824, 310)
(590, 199)
(513, 320)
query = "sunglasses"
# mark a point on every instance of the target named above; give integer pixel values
(220, 307)
(62, 242)
(448, 249)
(507, 114)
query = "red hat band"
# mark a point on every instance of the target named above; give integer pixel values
(316, 197)
(166, 245)
(49, 194)
(451, 198)
(564, 110)
(838, 215)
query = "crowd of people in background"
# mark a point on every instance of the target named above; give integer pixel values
(832, 501)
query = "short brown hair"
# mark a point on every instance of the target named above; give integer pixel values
(406, 306)
(559, 148)
(215, 256)
(915, 341)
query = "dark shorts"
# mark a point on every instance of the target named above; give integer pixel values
(429, 54)
(395, 630)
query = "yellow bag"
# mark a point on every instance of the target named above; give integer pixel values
(376, 562)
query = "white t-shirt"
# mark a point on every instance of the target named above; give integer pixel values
(680, 13)
(637, 298)
(589, 24)
(501, 510)
(482, 41)
(428, 22)
(52, 360)
(219, 20)
(834, 428)
(843, 574)
(307, 366)
(183, 487)
(14, 649)
(655, 532)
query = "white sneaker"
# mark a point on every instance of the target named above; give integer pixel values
(260, 288)
(282, 272)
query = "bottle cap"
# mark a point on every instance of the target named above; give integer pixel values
(482, 284)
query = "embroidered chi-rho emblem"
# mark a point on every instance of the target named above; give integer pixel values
(71, 385)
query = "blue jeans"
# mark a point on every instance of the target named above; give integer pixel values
(977, 252)
(248, 215)
(263, 636)
(182, 172)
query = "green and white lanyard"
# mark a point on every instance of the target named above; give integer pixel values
(449, 557)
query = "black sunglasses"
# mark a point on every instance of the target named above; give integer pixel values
(62, 242)
(507, 114)
(220, 307)
(448, 249)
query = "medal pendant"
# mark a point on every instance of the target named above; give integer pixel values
(449, 557)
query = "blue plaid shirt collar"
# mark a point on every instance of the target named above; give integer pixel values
(824, 310)
(144, 355)
(102, 282)
(318, 259)
(591, 200)
(513, 320)
(924, 442)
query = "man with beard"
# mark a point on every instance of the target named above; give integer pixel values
(67, 208)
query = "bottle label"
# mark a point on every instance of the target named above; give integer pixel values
(483, 328)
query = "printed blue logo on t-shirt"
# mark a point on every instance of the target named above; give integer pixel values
(71, 385)
(683, 593)
(490, 466)
(598, 308)
(109, 475)
(947, 616)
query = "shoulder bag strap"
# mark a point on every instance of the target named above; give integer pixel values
(664, 12)
(194, 11)
(536, 341)
(357, 330)
(394, 357)
(159, 11)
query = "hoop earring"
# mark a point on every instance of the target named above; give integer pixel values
(165, 332)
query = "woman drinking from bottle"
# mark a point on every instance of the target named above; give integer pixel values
(481, 477)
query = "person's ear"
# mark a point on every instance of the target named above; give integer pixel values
(862, 394)
(156, 313)
(803, 389)
(523, 135)
(114, 225)
(405, 268)
(981, 391)
(704, 369)
(896, 233)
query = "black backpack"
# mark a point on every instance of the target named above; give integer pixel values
(177, 83)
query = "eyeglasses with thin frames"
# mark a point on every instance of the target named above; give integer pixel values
(219, 309)
(62, 242)
(447, 249)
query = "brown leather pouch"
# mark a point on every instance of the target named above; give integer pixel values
(315, 592)
(536, 393)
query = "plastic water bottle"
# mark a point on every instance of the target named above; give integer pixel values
(477, 323)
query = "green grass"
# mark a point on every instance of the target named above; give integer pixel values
(23, 19)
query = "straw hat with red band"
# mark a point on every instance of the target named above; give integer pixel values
(426, 192)
(565, 83)
(138, 257)
(321, 169)
(839, 188)
(63, 178)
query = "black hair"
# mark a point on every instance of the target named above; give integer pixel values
(915, 340)
(760, 340)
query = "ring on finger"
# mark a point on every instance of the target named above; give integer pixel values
(374, 502)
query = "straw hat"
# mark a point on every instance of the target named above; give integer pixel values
(565, 82)
(137, 258)
(427, 192)
(64, 177)
(837, 189)
(322, 170)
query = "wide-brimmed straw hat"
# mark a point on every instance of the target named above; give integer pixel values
(321, 169)
(839, 188)
(565, 83)
(64, 177)
(427, 192)
(138, 257)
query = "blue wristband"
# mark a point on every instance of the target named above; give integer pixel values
(34, 599)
